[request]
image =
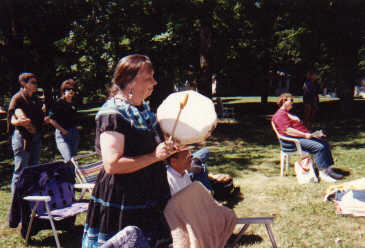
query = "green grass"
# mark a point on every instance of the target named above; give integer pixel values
(248, 150)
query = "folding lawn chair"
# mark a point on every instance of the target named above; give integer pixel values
(44, 198)
(86, 174)
(196, 219)
(288, 146)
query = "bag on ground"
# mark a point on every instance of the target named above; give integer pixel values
(222, 185)
(304, 171)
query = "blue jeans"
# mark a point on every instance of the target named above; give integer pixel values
(25, 153)
(67, 144)
(202, 155)
(320, 150)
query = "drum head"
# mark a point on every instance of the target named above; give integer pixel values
(197, 119)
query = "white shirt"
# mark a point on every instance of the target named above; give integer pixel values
(214, 87)
(177, 181)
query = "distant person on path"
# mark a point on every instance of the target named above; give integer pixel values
(25, 119)
(63, 117)
(214, 84)
(290, 125)
(311, 89)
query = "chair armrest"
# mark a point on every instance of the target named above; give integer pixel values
(37, 198)
(255, 220)
(84, 186)
(295, 141)
(84, 156)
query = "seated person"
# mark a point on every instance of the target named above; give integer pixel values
(290, 125)
(129, 236)
(183, 168)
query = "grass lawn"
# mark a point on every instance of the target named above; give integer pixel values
(248, 150)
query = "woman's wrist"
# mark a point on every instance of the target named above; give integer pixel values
(308, 135)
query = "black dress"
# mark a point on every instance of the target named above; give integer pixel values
(134, 199)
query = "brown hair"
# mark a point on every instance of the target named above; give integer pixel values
(25, 77)
(126, 70)
(282, 98)
(68, 83)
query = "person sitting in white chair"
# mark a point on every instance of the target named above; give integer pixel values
(290, 125)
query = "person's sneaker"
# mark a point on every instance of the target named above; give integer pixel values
(325, 177)
(334, 174)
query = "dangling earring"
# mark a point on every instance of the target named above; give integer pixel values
(130, 94)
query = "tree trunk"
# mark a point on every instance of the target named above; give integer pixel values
(204, 85)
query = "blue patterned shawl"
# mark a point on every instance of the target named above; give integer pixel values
(143, 120)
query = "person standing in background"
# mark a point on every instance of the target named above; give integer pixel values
(214, 84)
(63, 117)
(25, 119)
(311, 89)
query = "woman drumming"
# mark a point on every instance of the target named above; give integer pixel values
(132, 189)
(63, 117)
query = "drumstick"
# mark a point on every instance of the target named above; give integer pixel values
(182, 105)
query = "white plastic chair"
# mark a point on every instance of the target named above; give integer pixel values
(284, 155)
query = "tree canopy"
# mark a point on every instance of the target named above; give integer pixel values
(238, 40)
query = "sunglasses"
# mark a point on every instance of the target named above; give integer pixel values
(71, 89)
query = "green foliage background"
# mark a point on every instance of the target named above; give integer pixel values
(241, 40)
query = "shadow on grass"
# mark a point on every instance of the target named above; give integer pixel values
(6, 171)
(234, 198)
(246, 240)
(70, 239)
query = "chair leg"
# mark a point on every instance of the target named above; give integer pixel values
(31, 223)
(53, 226)
(287, 164)
(282, 163)
(271, 235)
(243, 229)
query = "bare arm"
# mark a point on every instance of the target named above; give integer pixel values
(112, 152)
(296, 133)
(55, 124)
(19, 121)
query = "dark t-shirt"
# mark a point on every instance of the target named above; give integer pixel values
(64, 113)
(32, 108)
(310, 92)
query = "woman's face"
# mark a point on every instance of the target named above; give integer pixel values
(31, 86)
(288, 104)
(144, 83)
(69, 92)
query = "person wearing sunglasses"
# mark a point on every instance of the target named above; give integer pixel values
(63, 117)
(290, 125)
(183, 168)
(25, 119)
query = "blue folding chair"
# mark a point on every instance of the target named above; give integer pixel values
(44, 198)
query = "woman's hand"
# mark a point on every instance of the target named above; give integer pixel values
(165, 150)
(47, 120)
(64, 131)
(24, 122)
